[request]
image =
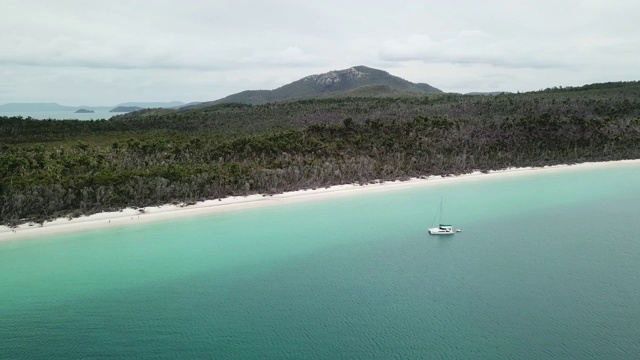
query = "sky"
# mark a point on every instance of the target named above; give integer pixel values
(107, 52)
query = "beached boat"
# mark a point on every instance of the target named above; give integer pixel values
(442, 229)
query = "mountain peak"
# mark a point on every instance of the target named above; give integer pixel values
(336, 76)
(354, 81)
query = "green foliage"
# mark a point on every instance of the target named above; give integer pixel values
(57, 168)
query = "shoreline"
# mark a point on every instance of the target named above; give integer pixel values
(129, 216)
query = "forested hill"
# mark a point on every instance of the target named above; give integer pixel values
(55, 168)
(355, 81)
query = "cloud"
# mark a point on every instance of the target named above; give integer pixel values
(174, 54)
(156, 35)
(64, 51)
(291, 56)
(466, 48)
(117, 51)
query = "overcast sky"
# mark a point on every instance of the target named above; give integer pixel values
(106, 52)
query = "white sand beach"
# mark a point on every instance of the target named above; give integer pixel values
(169, 212)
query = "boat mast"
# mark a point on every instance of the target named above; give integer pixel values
(440, 221)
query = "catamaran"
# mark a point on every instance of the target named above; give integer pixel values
(442, 229)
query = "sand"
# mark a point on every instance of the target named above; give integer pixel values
(168, 212)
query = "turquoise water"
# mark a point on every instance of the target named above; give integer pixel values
(547, 267)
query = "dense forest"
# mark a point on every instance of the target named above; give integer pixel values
(66, 168)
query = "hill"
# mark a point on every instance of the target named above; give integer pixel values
(356, 81)
(153, 105)
(125, 109)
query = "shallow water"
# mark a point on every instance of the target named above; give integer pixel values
(546, 268)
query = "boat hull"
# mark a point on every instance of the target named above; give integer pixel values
(441, 231)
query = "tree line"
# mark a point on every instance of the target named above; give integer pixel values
(56, 168)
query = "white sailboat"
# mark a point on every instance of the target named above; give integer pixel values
(442, 229)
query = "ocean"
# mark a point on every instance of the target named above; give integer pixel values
(546, 267)
(63, 115)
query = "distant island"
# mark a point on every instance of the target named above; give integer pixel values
(84, 111)
(125, 109)
(38, 107)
